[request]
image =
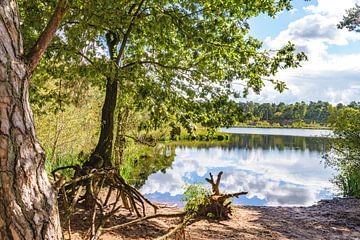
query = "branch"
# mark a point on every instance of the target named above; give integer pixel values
(87, 24)
(178, 228)
(47, 35)
(160, 65)
(230, 195)
(85, 57)
(215, 184)
(127, 34)
(141, 141)
(166, 215)
(218, 179)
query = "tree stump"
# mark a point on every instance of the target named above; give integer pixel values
(219, 205)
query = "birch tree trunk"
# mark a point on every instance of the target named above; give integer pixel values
(28, 205)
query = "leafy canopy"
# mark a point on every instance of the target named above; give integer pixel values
(179, 60)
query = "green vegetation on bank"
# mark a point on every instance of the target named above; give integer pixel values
(344, 151)
(294, 115)
(198, 133)
(265, 124)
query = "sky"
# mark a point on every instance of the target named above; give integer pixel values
(332, 72)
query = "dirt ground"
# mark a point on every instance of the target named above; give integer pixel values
(329, 219)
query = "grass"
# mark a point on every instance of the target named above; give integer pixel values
(61, 160)
(264, 124)
(200, 134)
(349, 181)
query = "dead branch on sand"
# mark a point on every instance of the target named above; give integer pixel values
(85, 189)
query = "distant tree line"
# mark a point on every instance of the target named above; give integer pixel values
(285, 114)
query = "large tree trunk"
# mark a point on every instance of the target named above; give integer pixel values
(101, 157)
(28, 205)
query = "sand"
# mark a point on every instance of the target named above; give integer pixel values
(329, 219)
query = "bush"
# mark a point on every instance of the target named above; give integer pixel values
(195, 196)
(344, 151)
(349, 182)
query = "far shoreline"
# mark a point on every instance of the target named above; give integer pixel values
(282, 127)
(276, 131)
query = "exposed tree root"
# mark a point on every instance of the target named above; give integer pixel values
(119, 194)
(159, 215)
(178, 231)
(96, 180)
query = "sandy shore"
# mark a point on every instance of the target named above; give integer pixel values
(330, 219)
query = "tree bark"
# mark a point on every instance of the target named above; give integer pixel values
(46, 36)
(120, 140)
(101, 157)
(28, 205)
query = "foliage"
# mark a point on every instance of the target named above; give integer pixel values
(71, 130)
(177, 60)
(344, 152)
(196, 196)
(203, 134)
(299, 114)
(351, 20)
(349, 181)
(62, 160)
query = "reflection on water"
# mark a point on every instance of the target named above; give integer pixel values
(276, 170)
(137, 169)
(297, 132)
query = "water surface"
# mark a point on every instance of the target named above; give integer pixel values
(276, 170)
(297, 132)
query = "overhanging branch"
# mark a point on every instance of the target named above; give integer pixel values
(159, 64)
(47, 35)
(127, 34)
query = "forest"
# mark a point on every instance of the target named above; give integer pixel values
(297, 114)
(94, 95)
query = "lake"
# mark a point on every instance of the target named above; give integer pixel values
(296, 132)
(278, 167)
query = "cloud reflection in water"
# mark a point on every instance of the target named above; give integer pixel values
(284, 175)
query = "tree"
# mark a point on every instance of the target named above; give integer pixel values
(344, 152)
(28, 205)
(351, 20)
(178, 61)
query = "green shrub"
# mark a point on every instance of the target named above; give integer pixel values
(349, 181)
(195, 196)
(344, 150)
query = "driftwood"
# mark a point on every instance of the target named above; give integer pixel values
(217, 206)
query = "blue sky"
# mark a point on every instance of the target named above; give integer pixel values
(333, 70)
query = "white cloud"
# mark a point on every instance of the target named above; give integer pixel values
(327, 75)
(313, 34)
(332, 7)
(280, 177)
(330, 77)
(275, 193)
